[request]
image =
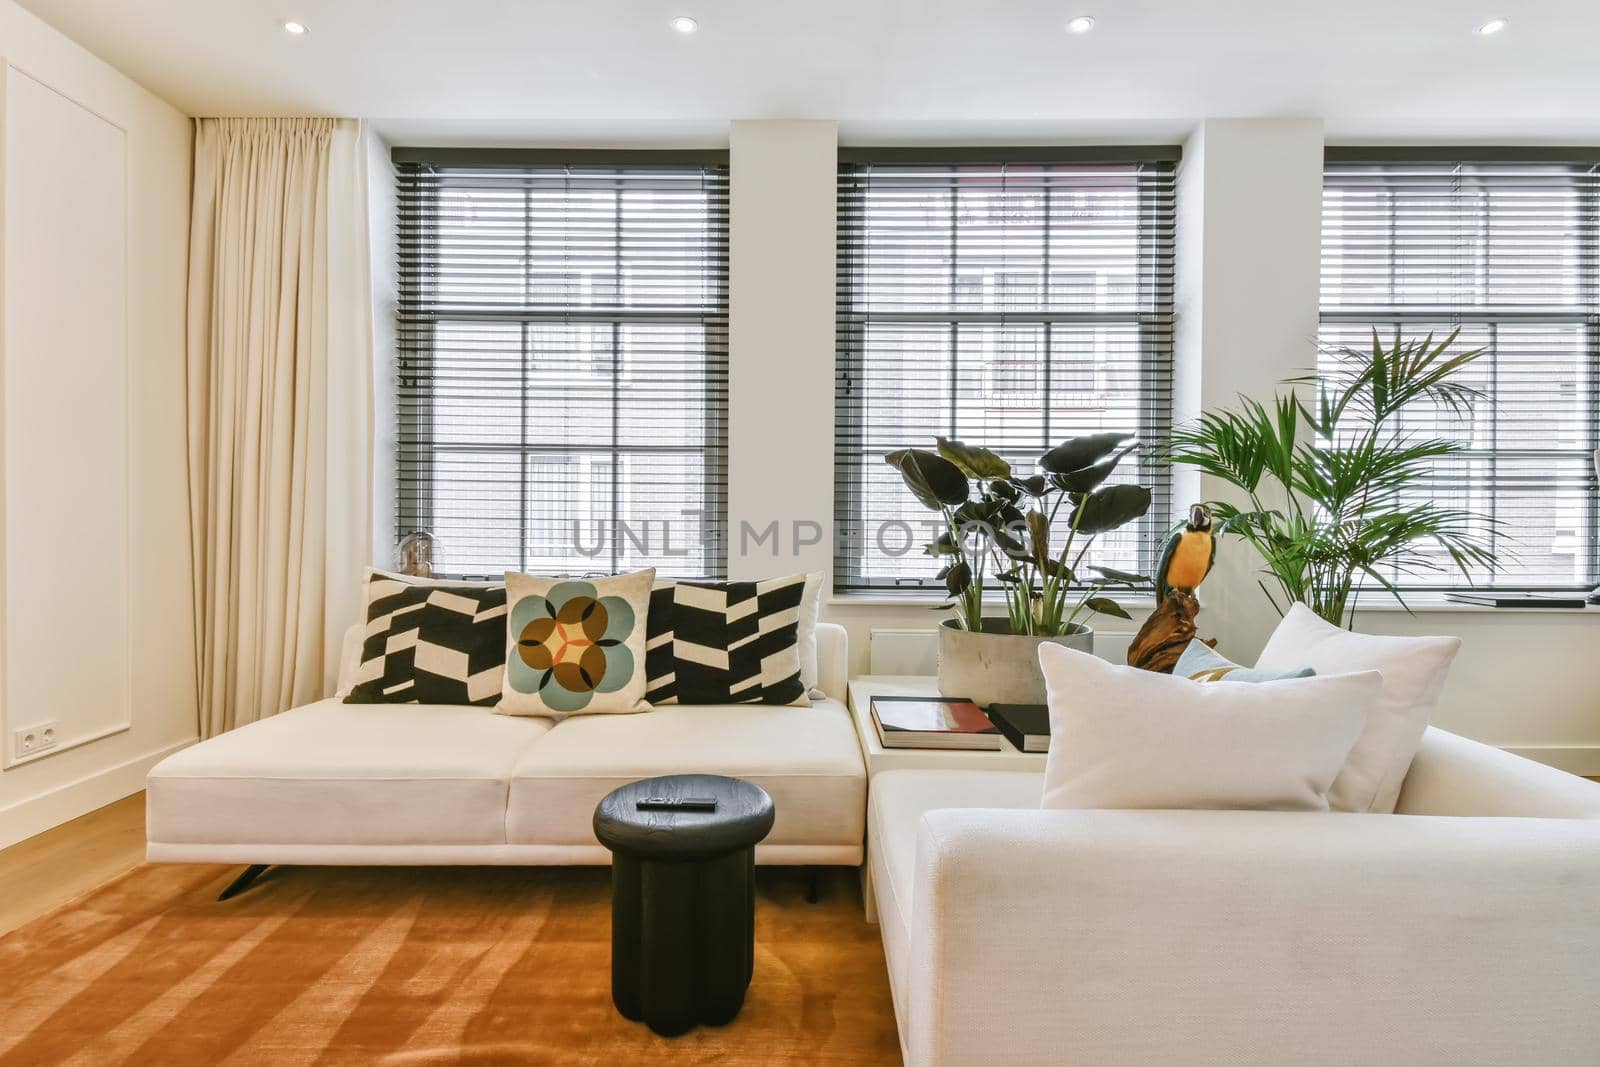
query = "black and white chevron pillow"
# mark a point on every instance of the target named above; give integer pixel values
(432, 642)
(725, 643)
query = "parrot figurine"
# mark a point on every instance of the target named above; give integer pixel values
(1185, 562)
(1188, 556)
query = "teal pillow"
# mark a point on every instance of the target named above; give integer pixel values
(1202, 663)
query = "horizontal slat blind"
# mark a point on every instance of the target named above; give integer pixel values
(563, 364)
(1011, 304)
(1509, 252)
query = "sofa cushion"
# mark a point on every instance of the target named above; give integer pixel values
(727, 642)
(1414, 671)
(1202, 663)
(576, 645)
(1121, 737)
(806, 758)
(810, 606)
(335, 773)
(431, 642)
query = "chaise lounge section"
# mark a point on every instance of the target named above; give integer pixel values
(348, 784)
(1461, 930)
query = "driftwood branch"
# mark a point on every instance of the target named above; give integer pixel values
(1166, 633)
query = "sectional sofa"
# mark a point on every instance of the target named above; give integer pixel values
(336, 783)
(1460, 930)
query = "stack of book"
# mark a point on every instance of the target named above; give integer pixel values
(1026, 726)
(932, 722)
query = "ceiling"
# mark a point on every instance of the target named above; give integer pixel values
(614, 70)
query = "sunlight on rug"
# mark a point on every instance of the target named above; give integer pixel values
(414, 966)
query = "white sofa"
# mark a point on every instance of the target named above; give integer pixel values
(1465, 930)
(335, 783)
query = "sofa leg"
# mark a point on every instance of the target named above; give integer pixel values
(244, 881)
(812, 894)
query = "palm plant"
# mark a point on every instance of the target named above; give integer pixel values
(1332, 484)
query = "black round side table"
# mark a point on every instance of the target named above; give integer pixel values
(682, 897)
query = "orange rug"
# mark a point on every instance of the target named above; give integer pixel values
(414, 966)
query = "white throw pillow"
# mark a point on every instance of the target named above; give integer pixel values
(1121, 737)
(350, 660)
(1413, 669)
(810, 608)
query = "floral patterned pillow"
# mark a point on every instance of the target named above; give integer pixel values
(575, 645)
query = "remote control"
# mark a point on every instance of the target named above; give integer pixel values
(678, 804)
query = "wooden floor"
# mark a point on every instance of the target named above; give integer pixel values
(44, 872)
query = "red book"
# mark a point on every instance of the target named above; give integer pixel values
(933, 722)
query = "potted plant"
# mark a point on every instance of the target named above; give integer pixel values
(1334, 486)
(1008, 532)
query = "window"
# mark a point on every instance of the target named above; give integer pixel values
(1009, 298)
(563, 359)
(1508, 250)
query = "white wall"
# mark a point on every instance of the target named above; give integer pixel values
(780, 346)
(1249, 237)
(1529, 682)
(135, 374)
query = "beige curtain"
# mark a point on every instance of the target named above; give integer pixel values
(279, 408)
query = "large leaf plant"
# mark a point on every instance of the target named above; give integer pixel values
(998, 527)
(1335, 484)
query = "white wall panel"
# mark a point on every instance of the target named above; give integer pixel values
(91, 415)
(66, 534)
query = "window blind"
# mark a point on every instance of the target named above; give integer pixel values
(1505, 247)
(1008, 298)
(562, 377)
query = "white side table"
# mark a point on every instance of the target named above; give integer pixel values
(878, 758)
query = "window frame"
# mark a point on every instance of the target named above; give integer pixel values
(1154, 267)
(1586, 318)
(419, 312)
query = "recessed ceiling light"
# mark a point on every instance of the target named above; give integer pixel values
(294, 29)
(685, 24)
(1492, 27)
(1081, 24)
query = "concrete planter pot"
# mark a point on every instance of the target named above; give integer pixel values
(996, 666)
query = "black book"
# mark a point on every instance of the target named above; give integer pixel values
(1026, 726)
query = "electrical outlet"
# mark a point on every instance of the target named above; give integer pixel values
(32, 740)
